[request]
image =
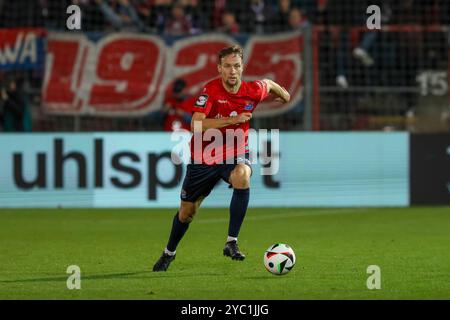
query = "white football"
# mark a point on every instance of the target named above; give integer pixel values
(279, 259)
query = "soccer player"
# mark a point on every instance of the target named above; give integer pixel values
(224, 106)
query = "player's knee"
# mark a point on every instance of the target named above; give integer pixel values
(240, 178)
(187, 213)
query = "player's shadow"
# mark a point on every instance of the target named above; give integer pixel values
(269, 277)
(92, 277)
(149, 274)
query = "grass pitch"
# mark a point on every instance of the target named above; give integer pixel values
(116, 249)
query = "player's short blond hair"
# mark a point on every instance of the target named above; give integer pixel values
(230, 50)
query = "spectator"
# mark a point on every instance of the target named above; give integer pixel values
(121, 15)
(275, 4)
(14, 107)
(159, 15)
(280, 21)
(308, 8)
(53, 13)
(178, 24)
(217, 13)
(296, 19)
(229, 24)
(340, 14)
(362, 50)
(347, 14)
(197, 14)
(143, 10)
(176, 111)
(256, 17)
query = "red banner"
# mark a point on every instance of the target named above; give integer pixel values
(21, 48)
(128, 74)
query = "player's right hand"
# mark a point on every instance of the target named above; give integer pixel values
(241, 118)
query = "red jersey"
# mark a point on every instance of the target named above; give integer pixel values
(215, 102)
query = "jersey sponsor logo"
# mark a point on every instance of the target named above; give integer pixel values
(248, 107)
(106, 77)
(201, 101)
(222, 101)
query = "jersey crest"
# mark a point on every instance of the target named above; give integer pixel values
(201, 101)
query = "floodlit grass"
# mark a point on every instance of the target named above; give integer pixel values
(116, 249)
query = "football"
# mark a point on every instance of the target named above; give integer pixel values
(279, 259)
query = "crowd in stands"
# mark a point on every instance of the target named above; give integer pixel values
(14, 106)
(168, 17)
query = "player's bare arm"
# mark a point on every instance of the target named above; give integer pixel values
(278, 90)
(207, 123)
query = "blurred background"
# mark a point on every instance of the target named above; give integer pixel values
(343, 76)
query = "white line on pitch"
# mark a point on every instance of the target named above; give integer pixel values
(289, 214)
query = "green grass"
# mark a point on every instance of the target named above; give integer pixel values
(117, 248)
